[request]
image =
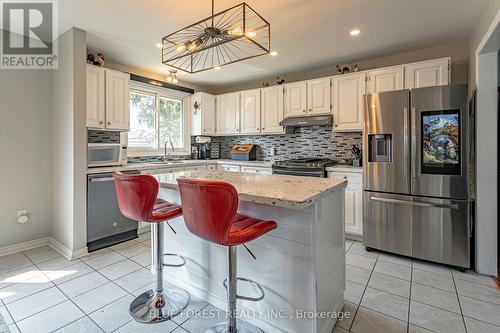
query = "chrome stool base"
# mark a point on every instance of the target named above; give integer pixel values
(243, 327)
(154, 307)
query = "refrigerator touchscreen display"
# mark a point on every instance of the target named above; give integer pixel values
(441, 142)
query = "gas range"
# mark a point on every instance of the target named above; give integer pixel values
(313, 167)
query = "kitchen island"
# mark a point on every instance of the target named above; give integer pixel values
(300, 265)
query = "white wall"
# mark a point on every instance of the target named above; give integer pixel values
(68, 218)
(485, 43)
(25, 106)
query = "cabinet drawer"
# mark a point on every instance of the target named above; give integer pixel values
(227, 167)
(263, 171)
(195, 168)
(352, 178)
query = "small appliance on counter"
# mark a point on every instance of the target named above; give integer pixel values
(202, 146)
(243, 152)
(106, 154)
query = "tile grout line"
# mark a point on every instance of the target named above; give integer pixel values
(409, 299)
(459, 303)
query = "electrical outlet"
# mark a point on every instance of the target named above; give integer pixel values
(22, 216)
(272, 151)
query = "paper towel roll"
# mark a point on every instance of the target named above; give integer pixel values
(203, 139)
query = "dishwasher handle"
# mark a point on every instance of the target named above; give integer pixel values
(100, 179)
(108, 177)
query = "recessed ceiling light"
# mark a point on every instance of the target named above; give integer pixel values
(217, 68)
(159, 45)
(355, 32)
(274, 53)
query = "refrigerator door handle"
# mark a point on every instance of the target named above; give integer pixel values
(406, 146)
(389, 200)
(413, 203)
(414, 142)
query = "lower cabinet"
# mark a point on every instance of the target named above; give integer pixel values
(353, 201)
(228, 167)
(262, 171)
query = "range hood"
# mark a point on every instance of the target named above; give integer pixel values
(291, 123)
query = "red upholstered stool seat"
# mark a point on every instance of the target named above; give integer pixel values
(210, 212)
(137, 199)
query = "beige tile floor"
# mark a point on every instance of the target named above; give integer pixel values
(40, 291)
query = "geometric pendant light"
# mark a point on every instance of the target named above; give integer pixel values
(236, 34)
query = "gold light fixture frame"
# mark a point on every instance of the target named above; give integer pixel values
(233, 35)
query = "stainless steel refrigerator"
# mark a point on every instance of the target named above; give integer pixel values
(418, 176)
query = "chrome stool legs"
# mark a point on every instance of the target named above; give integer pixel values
(158, 305)
(234, 325)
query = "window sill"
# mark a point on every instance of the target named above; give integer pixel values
(142, 153)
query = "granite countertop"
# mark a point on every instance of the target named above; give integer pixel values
(174, 164)
(276, 190)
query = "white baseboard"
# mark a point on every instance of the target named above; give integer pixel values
(6, 250)
(63, 250)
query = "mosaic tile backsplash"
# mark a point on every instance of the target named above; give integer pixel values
(97, 136)
(316, 141)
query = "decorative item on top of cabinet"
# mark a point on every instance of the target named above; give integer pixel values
(428, 73)
(348, 101)
(203, 114)
(271, 109)
(108, 99)
(385, 79)
(228, 113)
(356, 69)
(250, 111)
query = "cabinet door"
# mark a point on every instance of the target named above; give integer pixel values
(353, 210)
(228, 113)
(427, 73)
(250, 111)
(318, 96)
(386, 79)
(348, 101)
(295, 99)
(272, 109)
(208, 114)
(117, 100)
(95, 96)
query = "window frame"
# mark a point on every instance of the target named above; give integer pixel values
(186, 135)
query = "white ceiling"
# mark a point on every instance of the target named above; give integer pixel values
(307, 33)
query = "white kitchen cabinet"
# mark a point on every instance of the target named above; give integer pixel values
(195, 168)
(271, 109)
(203, 118)
(385, 79)
(117, 100)
(211, 167)
(250, 111)
(229, 167)
(353, 201)
(319, 96)
(348, 101)
(296, 99)
(427, 73)
(96, 110)
(228, 113)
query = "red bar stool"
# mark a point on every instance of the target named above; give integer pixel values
(137, 199)
(210, 212)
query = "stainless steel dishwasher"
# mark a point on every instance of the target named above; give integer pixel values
(106, 225)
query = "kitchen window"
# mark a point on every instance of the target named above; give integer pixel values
(157, 117)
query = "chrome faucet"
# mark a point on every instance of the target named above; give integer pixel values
(169, 141)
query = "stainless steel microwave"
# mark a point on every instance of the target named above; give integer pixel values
(106, 154)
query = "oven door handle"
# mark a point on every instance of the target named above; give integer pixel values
(413, 203)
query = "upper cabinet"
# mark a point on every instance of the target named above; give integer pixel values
(385, 79)
(228, 113)
(318, 96)
(203, 118)
(108, 99)
(427, 73)
(296, 99)
(348, 101)
(96, 96)
(271, 109)
(250, 111)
